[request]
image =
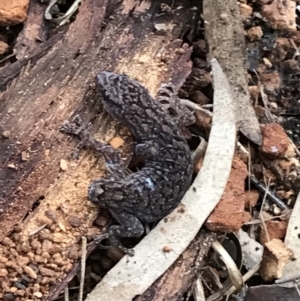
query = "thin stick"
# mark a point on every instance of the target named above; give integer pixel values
(66, 294)
(82, 271)
(194, 106)
(260, 214)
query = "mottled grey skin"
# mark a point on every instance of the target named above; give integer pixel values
(155, 190)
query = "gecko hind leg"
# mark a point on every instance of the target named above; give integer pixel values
(168, 97)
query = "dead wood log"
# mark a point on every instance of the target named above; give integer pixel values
(225, 36)
(180, 278)
(44, 210)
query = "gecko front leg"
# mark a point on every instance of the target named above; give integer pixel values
(113, 161)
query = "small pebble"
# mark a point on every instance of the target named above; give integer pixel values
(276, 210)
(75, 221)
(63, 165)
(24, 156)
(19, 285)
(12, 166)
(167, 249)
(267, 62)
(116, 142)
(6, 134)
(9, 297)
(38, 294)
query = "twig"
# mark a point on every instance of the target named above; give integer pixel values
(37, 230)
(82, 270)
(261, 187)
(270, 194)
(296, 49)
(229, 288)
(261, 216)
(66, 294)
(194, 106)
(199, 151)
(198, 291)
(289, 279)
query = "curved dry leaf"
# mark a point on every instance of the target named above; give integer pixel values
(252, 250)
(292, 268)
(233, 271)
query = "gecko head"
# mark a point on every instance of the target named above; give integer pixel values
(111, 86)
(118, 89)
